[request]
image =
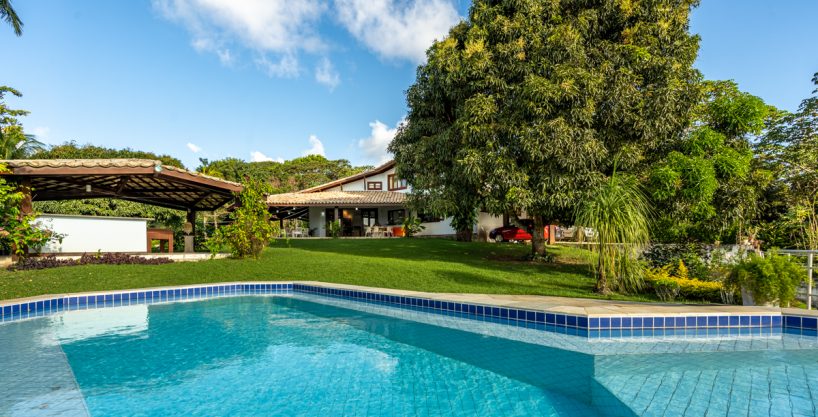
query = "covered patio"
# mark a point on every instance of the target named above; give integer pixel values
(140, 180)
(361, 213)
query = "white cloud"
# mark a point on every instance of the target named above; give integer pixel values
(397, 30)
(194, 148)
(225, 57)
(257, 156)
(276, 33)
(374, 147)
(326, 74)
(286, 67)
(316, 147)
(278, 28)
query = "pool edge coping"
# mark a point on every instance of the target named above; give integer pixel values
(708, 316)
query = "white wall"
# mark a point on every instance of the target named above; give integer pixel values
(485, 223)
(441, 228)
(360, 185)
(92, 234)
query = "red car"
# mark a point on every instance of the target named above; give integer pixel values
(512, 233)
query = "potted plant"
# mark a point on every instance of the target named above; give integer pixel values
(766, 280)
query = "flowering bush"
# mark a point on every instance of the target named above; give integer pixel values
(668, 286)
(51, 261)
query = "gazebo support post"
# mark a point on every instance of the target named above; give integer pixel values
(190, 247)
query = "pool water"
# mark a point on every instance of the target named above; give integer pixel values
(303, 355)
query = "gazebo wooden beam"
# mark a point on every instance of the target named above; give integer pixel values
(140, 180)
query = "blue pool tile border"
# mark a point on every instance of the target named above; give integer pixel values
(610, 326)
(40, 308)
(688, 325)
(799, 322)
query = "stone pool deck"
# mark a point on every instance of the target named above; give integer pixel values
(577, 306)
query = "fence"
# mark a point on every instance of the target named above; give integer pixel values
(810, 258)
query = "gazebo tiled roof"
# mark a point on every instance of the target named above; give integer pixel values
(142, 180)
(338, 198)
(104, 163)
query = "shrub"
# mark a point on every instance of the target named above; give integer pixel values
(668, 287)
(692, 254)
(120, 259)
(334, 229)
(51, 261)
(19, 232)
(251, 229)
(412, 226)
(770, 279)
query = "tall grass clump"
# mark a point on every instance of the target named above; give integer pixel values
(618, 212)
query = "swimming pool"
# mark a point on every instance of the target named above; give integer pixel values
(304, 354)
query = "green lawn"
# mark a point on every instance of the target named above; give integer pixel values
(434, 265)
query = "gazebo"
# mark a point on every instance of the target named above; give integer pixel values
(140, 180)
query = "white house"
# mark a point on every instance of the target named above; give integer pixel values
(376, 197)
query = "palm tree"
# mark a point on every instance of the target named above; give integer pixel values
(618, 212)
(16, 145)
(8, 14)
(207, 168)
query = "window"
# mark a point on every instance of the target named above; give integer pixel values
(369, 217)
(375, 186)
(429, 218)
(396, 183)
(395, 217)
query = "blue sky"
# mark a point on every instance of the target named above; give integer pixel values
(279, 79)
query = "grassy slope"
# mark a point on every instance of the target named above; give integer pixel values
(434, 265)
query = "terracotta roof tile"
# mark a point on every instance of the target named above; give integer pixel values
(337, 198)
(103, 163)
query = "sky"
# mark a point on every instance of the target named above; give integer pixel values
(279, 79)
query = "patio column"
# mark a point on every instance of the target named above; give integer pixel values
(26, 206)
(337, 219)
(190, 235)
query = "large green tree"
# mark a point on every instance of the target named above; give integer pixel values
(530, 101)
(14, 143)
(72, 150)
(10, 16)
(708, 186)
(292, 175)
(791, 146)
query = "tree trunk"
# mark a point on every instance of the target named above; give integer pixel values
(601, 278)
(538, 237)
(464, 235)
